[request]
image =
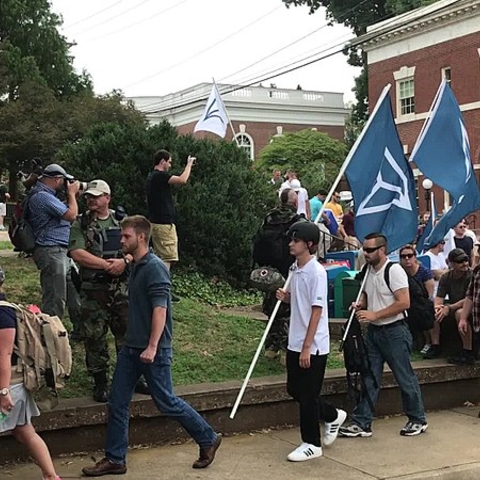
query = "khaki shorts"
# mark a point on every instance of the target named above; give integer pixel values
(165, 242)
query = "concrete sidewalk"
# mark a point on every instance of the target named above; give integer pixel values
(449, 450)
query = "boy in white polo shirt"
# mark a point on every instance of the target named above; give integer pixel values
(309, 343)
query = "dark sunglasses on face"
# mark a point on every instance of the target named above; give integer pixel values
(372, 249)
(407, 256)
(461, 260)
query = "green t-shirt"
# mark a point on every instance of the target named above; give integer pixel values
(455, 288)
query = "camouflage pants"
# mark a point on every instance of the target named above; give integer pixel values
(103, 307)
(277, 338)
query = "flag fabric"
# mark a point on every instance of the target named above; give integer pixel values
(428, 227)
(442, 153)
(214, 118)
(382, 181)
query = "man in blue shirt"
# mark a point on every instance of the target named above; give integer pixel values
(50, 220)
(316, 203)
(147, 352)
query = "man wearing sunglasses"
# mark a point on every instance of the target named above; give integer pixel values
(454, 284)
(388, 339)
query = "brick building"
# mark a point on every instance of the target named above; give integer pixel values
(257, 113)
(414, 52)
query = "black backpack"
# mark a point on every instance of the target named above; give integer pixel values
(20, 231)
(357, 363)
(421, 314)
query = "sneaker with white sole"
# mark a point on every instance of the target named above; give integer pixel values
(306, 451)
(413, 428)
(332, 428)
(353, 430)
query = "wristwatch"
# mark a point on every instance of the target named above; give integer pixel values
(4, 391)
(127, 261)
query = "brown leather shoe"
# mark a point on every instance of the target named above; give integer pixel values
(207, 455)
(104, 467)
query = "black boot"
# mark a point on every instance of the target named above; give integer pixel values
(100, 390)
(142, 387)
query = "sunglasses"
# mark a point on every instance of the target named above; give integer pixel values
(407, 256)
(462, 260)
(372, 249)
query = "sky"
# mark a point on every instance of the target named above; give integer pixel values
(157, 47)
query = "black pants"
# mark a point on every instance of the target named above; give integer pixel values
(305, 385)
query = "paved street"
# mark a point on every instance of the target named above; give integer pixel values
(449, 450)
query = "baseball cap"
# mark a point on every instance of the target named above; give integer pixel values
(55, 170)
(97, 188)
(295, 184)
(457, 255)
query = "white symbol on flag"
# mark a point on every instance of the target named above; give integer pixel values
(401, 201)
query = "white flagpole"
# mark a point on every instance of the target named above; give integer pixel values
(259, 350)
(226, 111)
(347, 161)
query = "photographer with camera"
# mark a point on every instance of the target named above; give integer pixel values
(28, 181)
(95, 247)
(50, 220)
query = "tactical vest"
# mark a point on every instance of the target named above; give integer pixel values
(101, 242)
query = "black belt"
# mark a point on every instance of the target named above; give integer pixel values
(389, 325)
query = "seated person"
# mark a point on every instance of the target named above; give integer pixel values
(453, 285)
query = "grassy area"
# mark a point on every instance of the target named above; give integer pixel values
(209, 345)
(6, 245)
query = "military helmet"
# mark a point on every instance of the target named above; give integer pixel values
(306, 231)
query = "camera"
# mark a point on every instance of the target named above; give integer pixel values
(83, 185)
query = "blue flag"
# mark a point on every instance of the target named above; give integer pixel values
(428, 228)
(442, 153)
(382, 181)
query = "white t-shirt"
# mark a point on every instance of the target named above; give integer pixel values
(302, 199)
(437, 262)
(309, 287)
(283, 186)
(379, 295)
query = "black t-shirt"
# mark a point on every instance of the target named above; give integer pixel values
(3, 193)
(8, 319)
(159, 198)
(465, 243)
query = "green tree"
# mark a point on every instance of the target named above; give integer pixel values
(314, 156)
(33, 46)
(219, 209)
(358, 15)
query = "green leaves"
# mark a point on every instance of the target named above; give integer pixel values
(313, 155)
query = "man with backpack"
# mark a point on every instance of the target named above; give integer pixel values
(50, 220)
(95, 247)
(388, 339)
(271, 249)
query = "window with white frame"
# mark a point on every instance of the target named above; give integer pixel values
(447, 74)
(406, 96)
(245, 141)
(405, 90)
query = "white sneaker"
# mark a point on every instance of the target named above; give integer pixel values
(331, 429)
(305, 451)
(425, 348)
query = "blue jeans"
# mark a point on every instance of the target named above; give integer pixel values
(159, 379)
(52, 263)
(391, 344)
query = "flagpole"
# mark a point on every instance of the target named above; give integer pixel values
(228, 116)
(424, 129)
(257, 353)
(352, 151)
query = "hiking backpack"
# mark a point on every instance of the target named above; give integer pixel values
(44, 353)
(20, 231)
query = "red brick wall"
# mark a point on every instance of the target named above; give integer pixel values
(262, 132)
